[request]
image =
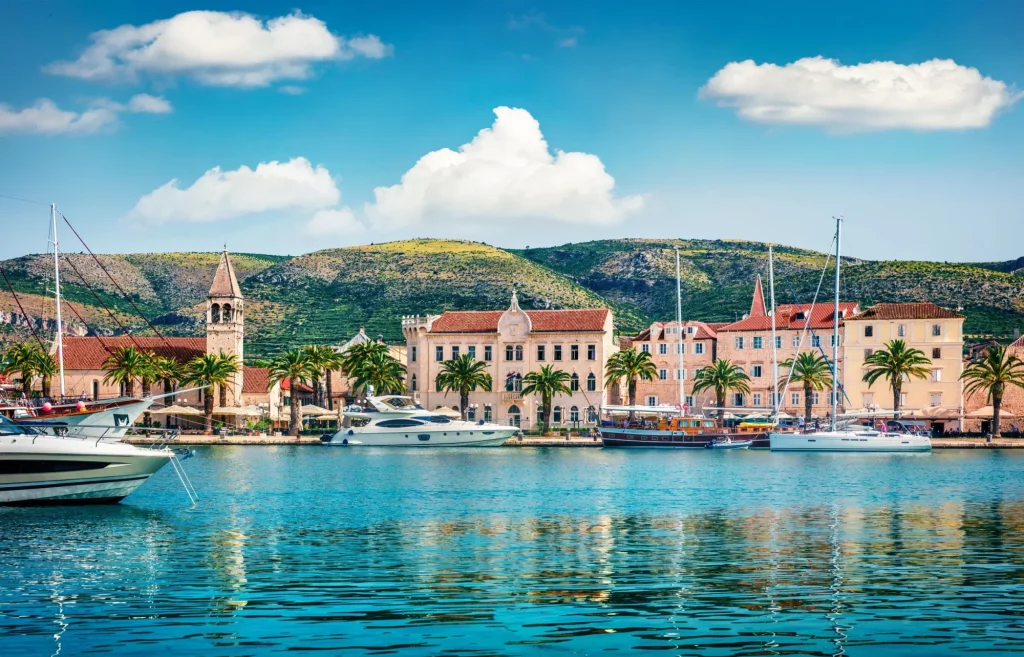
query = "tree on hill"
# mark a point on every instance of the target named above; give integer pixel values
(993, 373)
(813, 371)
(547, 383)
(721, 376)
(631, 365)
(896, 363)
(463, 375)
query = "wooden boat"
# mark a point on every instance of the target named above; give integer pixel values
(668, 430)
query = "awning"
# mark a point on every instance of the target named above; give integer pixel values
(985, 413)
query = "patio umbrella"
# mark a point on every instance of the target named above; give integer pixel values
(177, 410)
(444, 410)
(243, 411)
(985, 413)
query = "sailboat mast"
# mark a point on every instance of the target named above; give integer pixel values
(775, 354)
(56, 288)
(679, 332)
(835, 328)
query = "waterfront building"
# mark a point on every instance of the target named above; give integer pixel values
(934, 330)
(1013, 399)
(662, 341)
(514, 342)
(341, 386)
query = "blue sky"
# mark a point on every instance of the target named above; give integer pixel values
(930, 171)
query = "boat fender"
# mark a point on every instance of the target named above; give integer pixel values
(344, 441)
(351, 433)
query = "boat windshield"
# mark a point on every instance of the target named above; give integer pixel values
(436, 419)
(9, 428)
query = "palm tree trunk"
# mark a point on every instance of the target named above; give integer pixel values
(463, 403)
(808, 403)
(293, 404)
(26, 385)
(330, 393)
(46, 386)
(720, 400)
(896, 389)
(129, 388)
(223, 395)
(208, 409)
(546, 425)
(146, 392)
(316, 389)
(997, 403)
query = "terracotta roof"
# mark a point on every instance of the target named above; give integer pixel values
(255, 379)
(791, 316)
(715, 326)
(543, 321)
(703, 331)
(89, 353)
(224, 282)
(1018, 343)
(286, 385)
(885, 311)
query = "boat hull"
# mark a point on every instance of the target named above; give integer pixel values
(475, 437)
(37, 470)
(851, 441)
(109, 423)
(654, 439)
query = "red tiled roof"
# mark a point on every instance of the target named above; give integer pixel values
(255, 379)
(884, 311)
(791, 316)
(89, 353)
(1018, 343)
(757, 304)
(286, 385)
(543, 321)
(704, 331)
(715, 326)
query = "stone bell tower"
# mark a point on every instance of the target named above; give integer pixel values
(225, 313)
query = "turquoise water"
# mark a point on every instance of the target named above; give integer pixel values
(530, 551)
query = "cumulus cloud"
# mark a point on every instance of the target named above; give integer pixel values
(505, 172)
(45, 118)
(219, 195)
(334, 222)
(938, 94)
(217, 48)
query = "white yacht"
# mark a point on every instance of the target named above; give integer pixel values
(396, 421)
(108, 420)
(38, 469)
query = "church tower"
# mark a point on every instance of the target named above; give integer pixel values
(224, 322)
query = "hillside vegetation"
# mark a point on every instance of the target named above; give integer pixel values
(325, 296)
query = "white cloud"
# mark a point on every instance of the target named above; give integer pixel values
(506, 172)
(216, 48)
(44, 117)
(219, 195)
(568, 42)
(334, 222)
(292, 90)
(938, 94)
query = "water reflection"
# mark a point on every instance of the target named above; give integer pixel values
(637, 556)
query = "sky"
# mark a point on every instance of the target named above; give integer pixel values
(287, 128)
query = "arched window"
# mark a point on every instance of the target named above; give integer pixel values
(226, 314)
(514, 415)
(591, 382)
(557, 418)
(412, 383)
(574, 382)
(215, 313)
(95, 389)
(574, 414)
(508, 352)
(519, 352)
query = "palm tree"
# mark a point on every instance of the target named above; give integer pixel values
(355, 355)
(996, 370)
(322, 359)
(124, 365)
(380, 370)
(169, 371)
(291, 365)
(813, 371)
(22, 359)
(463, 375)
(46, 368)
(211, 370)
(896, 363)
(547, 383)
(631, 365)
(721, 376)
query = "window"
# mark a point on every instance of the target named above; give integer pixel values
(689, 400)
(935, 399)
(437, 385)
(816, 341)
(936, 376)
(936, 352)
(869, 331)
(796, 340)
(412, 383)
(412, 354)
(662, 348)
(215, 314)
(778, 342)
(574, 352)
(574, 414)
(540, 352)
(574, 382)
(816, 399)
(901, 330)
(471, 350)
(936, 330)
(680, 348)
(698, 348)
(96, 390)
(488, 413)
(471, 413)
(867, 353)
(758, 342)
(737, 399)
(591, 382)
(488, 352)
(646, 348)
(398, 424)
(557, 415)
(739, 343)
(832, 341)
(679, 374)
(438, 353)
(591, 352)
(663, 375)
(455, 352)
(757, 399)
(756, 373)
(509, 352)
(652, 400)
(558, 352)
(903, 398)
(519, 352)
(794, 399)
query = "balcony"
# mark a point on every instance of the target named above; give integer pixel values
(511, 396)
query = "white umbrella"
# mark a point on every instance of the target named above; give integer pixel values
(244, 411)
(985, 413)
(177, 410)
(444, 410)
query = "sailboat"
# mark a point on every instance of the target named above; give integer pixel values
(845, 437)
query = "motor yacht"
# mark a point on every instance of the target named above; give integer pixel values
(397, 421)
(37, 468)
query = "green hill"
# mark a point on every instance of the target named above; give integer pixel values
(327, 295)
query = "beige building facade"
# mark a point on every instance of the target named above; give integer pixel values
(664, 341)
(513, 343)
